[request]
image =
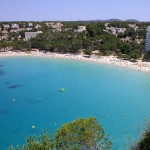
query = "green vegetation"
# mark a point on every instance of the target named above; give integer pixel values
(147, 56)
(43, 142)
(98, 36)
(81, 134)
(77, 135)
(144, 143)
(88, 52)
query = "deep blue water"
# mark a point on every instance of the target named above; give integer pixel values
(119, 98)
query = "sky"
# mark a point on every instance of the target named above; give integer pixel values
(72, 10)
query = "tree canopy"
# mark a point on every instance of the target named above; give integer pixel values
(144, 142)
(80, 134)
(147, 55)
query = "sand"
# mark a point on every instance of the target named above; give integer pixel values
(139, 65)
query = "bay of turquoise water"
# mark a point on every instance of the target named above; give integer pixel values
(119, 98)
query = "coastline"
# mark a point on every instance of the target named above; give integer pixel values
(112, 60)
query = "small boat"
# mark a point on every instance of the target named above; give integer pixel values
(61, 90)
(33, 127)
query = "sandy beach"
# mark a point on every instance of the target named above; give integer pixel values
(139, 65)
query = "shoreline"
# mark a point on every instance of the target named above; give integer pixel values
(112, 60)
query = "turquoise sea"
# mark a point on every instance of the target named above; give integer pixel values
(119, 98)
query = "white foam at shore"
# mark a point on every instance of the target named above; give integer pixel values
(139, 65)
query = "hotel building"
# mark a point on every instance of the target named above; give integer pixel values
(147, 42)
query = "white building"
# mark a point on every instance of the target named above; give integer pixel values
(121, 30)
(28, 29)
(114, 30)
(147, 45)
(29, 35)
(13, 30)
(6, 26)
(80, 29)
(30, 24)
(134, 26)
(38, 26)
(14, 25)
(39, 31)
(47, 24)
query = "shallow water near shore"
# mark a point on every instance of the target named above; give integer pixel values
(119, 98)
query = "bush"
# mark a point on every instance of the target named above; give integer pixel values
(43, 142)
(147, 56)
(144, 143)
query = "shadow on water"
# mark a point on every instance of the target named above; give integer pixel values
(3, 112)
(7, 83)
(16, 130)
(1, 72)
(33, 102)
(14, 86)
